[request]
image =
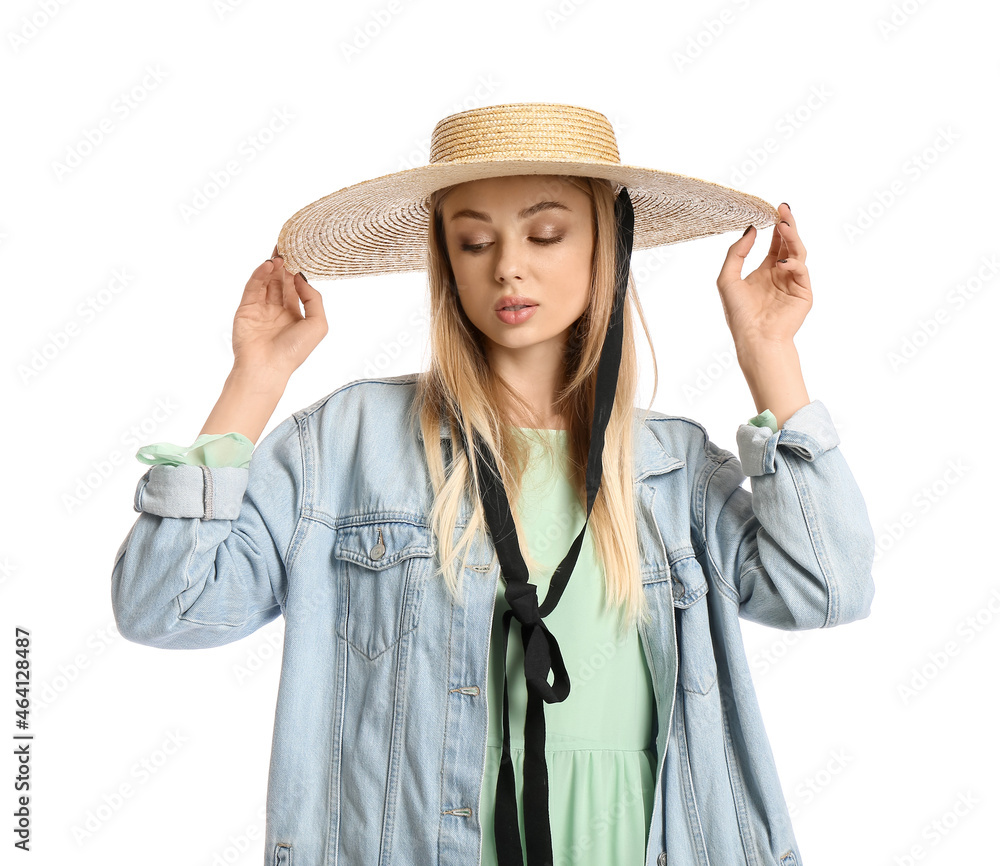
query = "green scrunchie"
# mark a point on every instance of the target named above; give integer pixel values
(765, 419)
(209, 449)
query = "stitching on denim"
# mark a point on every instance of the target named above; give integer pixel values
(687, 789)
(187, 572)
(403, 379)
(815, 543)
(738, 786)
(448, 646)
(718, 573)
(307, 488)
(209, 495)
(397, 732)
(769, 454)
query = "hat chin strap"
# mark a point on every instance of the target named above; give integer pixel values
(541, 651)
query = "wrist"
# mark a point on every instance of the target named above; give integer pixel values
(257, 380)
(760, 347)
(774, 376)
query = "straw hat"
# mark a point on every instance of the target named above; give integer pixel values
(380, 225)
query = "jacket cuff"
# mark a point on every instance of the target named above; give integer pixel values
(192, 491)
(809, 432)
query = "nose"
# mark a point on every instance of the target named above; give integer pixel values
(508, 267)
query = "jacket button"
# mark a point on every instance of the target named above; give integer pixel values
(662, 859)
(378, 551)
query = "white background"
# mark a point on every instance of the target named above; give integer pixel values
(854, 105)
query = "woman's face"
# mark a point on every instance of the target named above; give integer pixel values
(527, 236)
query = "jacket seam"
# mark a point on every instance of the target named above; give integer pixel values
(208, 491)
(702, 526)
(446, 740)
(397, 735)
(821, 569)
(738, 784)
(295, 541)
(698, 841)
(405, 379)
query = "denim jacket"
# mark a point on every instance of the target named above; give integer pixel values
(381, 721)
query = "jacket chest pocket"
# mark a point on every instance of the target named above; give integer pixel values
(696, 670)
(382, 566)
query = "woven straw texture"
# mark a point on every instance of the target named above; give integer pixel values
(380, 225)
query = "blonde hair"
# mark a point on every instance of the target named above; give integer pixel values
(460, 379)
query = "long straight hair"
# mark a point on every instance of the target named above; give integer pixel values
(460, 380)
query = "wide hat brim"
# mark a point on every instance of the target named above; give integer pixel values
(380, 225)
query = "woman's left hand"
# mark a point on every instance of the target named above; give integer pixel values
(769, 305)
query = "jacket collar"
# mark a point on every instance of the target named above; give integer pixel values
(651, 458)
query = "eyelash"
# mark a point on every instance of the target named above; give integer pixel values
(478, 248)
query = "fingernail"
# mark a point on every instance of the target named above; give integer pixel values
(786, 204)
(748, 229)
(786, 222)
(782, 260)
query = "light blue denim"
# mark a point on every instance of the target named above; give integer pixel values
(381, 721)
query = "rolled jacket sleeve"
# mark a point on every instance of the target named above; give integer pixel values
(205, 562)
(212, 493)
(796, 550)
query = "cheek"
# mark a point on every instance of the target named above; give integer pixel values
(574, 267)
(469, 276)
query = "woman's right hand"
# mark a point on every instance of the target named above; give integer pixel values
(269, 333)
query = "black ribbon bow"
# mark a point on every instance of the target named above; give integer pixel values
(541, 651)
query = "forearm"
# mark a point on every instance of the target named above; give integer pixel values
(246, 404)
(774, 376)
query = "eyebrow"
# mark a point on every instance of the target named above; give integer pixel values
(523, 214)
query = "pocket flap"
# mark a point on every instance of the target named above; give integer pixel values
(688, 580)
(380, 544)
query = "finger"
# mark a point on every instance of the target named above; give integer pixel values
(312, 300)
(732, 267)
(794, 248)
(276, 284)
(289, 292)
(285, 281)
(255, 289)
(776, 250)
(798, 286)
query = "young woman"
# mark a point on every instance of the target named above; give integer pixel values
(400, 524)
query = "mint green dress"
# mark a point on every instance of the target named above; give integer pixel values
(599, 742)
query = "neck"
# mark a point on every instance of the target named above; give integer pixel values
(535, 373)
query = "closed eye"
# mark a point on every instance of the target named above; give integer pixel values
(477, 248)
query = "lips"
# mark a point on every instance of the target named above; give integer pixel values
(515, 301)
